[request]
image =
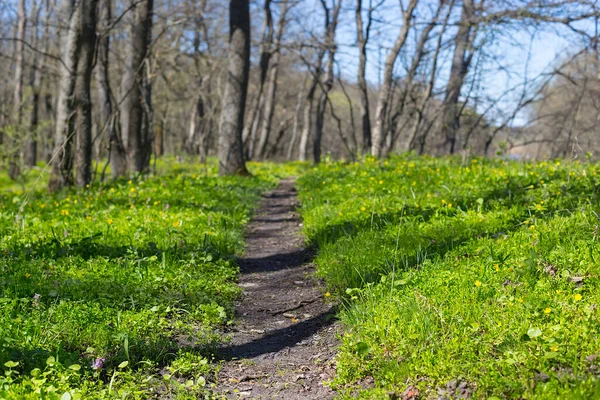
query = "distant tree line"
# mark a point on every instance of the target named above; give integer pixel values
(90, 86)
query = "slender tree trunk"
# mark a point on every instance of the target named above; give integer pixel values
(330, 28)
(430, 84)
(13, 161)
(62, 159)
(231, 156)
(132, 107)
(196, 121)
(83, 103)
(307, 119)
(363, 90)
(460, 66)
(117, 156)
(30, 151)
(272, 84)
(266, 51)
(386, 86)
(297, 116)
(410, 76)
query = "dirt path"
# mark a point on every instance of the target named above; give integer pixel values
(283, 343)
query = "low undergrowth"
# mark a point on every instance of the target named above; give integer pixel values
(461, 277)
(115, 291)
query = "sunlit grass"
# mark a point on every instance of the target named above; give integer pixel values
(475, 278)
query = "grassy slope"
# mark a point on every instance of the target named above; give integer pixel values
(135, 275)
(479, 277)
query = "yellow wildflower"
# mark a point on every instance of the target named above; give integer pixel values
(478, 283)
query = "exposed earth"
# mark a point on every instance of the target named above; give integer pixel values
(283, 342)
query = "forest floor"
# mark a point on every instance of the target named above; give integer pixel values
(283, 342)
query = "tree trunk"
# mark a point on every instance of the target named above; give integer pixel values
(266, 51)
(13, 144)
(410, 76)
(363, 91)
(35, 79)
(61, 174)
(430, 84)
(297, 116)
(231, 156)
(132, 107)
(330, 28)
(272, 84)
(386, 86)
(306, 125)
(116, 151)
(460, 66)
(83, 103)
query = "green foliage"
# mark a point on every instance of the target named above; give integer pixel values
(116, 291)
(461, 277)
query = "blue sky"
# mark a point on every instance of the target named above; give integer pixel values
(505, 66)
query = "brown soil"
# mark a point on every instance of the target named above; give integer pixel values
(283, 343)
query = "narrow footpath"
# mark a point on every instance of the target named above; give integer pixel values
(283, 342)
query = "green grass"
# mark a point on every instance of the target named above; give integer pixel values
(476, 276)
(135, 275)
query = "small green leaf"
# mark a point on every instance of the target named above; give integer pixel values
(201, 381)
(66, 396)
(123, 364)
(11, 364)
(50, 361)
(75, 367)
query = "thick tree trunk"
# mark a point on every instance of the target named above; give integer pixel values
(117, 156)
(386, 86)
(83, 103)
(460, 66)
(61, 174)
(271, 93)
(132, 107)
(231, 156)
(363, 91)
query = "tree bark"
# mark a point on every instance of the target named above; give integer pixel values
(117, 156)
(231, 156)
(132, 107)
(83, 103)
(363, 90)
(61, 174)
(35, 79)
(13, 143)
(430, 84)
(386, 86)
(272, 84)
(410, 76)
(330, 28)
(460, 66)
(266, 52)
(297, 117)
